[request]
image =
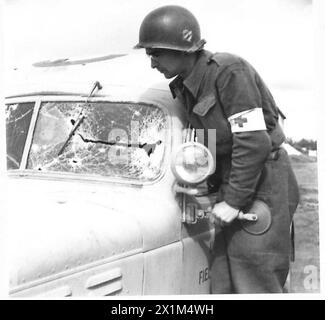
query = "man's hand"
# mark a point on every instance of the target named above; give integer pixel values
(223, 213)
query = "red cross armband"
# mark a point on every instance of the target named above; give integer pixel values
(249, 120)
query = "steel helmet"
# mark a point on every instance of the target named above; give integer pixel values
(170, 27)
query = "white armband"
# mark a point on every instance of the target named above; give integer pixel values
(249, 120)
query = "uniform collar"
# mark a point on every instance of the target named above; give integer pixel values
(193, 81)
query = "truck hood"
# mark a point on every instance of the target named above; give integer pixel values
(58, 226)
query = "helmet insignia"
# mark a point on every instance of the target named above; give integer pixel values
(187, 35)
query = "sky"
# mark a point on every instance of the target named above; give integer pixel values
(276, 36)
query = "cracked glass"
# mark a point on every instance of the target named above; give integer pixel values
(114, 139)
(18, 117)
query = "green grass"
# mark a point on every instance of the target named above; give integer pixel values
(304, 277)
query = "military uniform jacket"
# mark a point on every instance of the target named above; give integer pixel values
(222, 96)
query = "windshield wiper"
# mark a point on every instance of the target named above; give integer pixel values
(75, 127)
(81, 117)
(148, 147)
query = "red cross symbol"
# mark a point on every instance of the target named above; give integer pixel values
(240, 121)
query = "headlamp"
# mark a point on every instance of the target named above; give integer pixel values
(192, 163)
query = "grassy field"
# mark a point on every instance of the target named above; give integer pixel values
(304, 277)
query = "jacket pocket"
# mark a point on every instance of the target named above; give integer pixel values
(204, 105)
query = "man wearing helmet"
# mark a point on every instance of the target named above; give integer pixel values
(224, 93)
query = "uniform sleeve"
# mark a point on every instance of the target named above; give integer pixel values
(239, 95)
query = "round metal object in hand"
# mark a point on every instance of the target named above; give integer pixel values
(264, 219)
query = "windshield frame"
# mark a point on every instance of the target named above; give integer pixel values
(39, 99)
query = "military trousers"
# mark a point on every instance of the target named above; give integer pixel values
(259, 263)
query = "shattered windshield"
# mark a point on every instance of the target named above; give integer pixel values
(18, 117)
(112, 139)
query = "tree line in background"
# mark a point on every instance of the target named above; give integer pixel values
(303, 145)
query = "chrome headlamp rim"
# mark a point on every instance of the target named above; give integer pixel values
(210, 160)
